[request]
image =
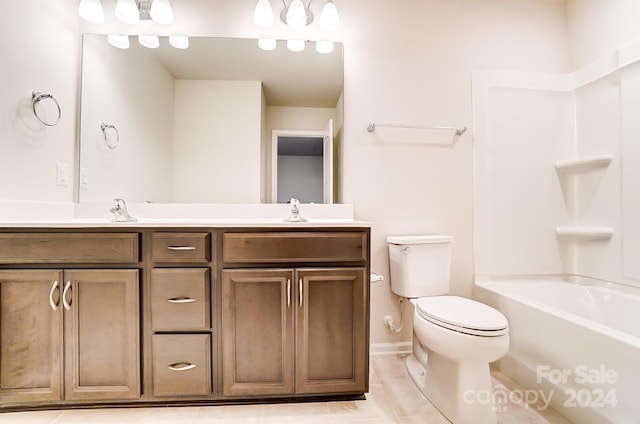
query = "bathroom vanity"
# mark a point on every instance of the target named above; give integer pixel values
(152, 312)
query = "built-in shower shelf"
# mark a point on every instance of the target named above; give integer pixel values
(585, 164)
(585, 232)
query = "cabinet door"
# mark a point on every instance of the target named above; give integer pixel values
(30, 336)
(102, 342)
(331, 331)
(257, 332)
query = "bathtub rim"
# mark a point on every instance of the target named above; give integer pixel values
(489, 283)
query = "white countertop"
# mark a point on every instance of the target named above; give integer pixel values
(78, 215)
(219, 223)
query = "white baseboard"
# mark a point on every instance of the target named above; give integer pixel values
(399, 348)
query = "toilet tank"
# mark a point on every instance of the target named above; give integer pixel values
(420, 265)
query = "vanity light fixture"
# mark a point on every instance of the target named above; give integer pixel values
(179, 41)
(263, 15)
(295, 45)
(127, 11)
(149, 41)
(329, 18)
(91, 10)
(120, 41)
(161, 11)
(324, 46)
(297, 15)
(267, 43)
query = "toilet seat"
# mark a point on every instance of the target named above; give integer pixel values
(462, 315)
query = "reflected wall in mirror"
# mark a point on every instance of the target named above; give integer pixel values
(195, 125)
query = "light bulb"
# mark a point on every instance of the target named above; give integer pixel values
(179, 41)
(329, 19)
(323, 46)
(295, 45)
(91, 10)
(161, 11)
(120, 41)
(127, 11)
(263, 15)
(149, 41)
(267, 43)
(296, 14)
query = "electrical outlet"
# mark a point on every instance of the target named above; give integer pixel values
(62, 174)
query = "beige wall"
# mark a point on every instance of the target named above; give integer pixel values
(598, 27)
(140, 168)
(217, 134)
(39, 50)
(405, 62)
(420, 73)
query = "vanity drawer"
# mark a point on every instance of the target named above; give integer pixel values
(180, 299)
(69, 248)
(181, 364)
(180, 247)
(273, 247)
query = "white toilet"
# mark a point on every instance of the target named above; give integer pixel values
(454, 338)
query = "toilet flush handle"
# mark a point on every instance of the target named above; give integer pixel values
(405, 250)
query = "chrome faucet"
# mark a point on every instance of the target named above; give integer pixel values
(119, 210)
(295, 211)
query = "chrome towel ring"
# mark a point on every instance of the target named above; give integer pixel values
(105, 130)
(36, 97)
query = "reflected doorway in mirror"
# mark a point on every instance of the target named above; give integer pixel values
(302, 166)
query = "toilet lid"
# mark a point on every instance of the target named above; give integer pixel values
(463, 315)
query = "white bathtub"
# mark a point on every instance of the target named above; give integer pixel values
(573, 346)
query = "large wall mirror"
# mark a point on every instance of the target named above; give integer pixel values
(196, 125)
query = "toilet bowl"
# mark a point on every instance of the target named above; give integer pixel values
(451, 366)
(454, 338)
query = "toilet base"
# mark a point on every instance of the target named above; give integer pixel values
(460, 391)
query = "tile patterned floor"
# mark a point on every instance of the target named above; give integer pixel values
(392, 399)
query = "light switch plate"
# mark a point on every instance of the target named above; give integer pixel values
(62, 174)
(84, 178)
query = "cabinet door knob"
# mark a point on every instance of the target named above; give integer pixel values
(288, 292)
(66, 304)
(53, 304)
(181, 366)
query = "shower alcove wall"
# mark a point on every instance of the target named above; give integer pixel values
(555, 177)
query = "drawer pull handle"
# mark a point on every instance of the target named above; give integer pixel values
(181, 366)
(179, 248)
(181, 300)
(53, 304)
(66, 304)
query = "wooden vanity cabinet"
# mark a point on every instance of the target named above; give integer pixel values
(66, 334)
(332, 346)
(257, 332)
(98, 320)
(102, 334)
(180, 303)
(31, 338)
(122, 316)
(301, 330)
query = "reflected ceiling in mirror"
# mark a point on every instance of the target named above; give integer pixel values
(167, 105)
(293, 79)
